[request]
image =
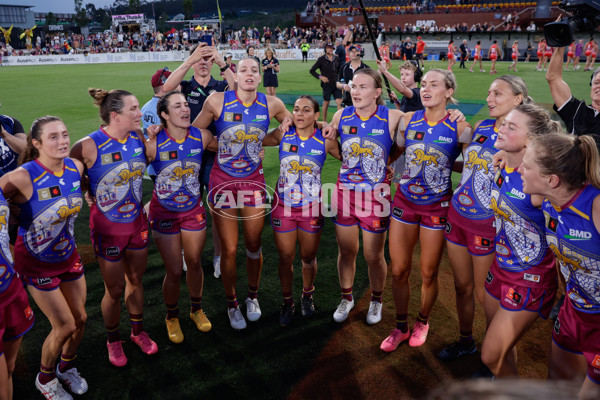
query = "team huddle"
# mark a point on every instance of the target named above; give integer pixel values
(528, 204)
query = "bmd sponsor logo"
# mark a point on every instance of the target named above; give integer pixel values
(575, 234)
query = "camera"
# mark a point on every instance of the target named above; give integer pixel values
(585, 16)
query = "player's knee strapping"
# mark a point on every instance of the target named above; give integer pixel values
(254, 255)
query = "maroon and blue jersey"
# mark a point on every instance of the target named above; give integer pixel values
(116, 182)
(7, 271)
(366, 145)
(575, 241)
(177, 165)
(301, 161)
(431, 148)
(47, 219)
(521, 246)
(472, 197)
(240, 131)
(9, 159)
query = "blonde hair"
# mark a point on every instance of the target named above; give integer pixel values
(409, 65)
(449, 81)
(517, 86)
(271, 50)
(574, 159)
(538, 120)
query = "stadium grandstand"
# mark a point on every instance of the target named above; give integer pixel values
(388, 13)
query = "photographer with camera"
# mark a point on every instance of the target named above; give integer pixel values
(579, 118)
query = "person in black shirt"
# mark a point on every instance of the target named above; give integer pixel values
(340, 50)
(328, 65)
(12, 142)
(408, 49)
(250, 54)
(347, 71)
(270, 67)
(202, 84)
(579, 118)
(464, 52)
(410, 77)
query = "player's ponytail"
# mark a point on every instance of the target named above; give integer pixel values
(573, 159)
(108, 102)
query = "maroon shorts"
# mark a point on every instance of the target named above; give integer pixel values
(513, 297)
(16, 318)
(52, 283)
(431, 216)
(113, 247)
(579, 332)
(478, 236)
(171, 222)
(369, 209)
(287, 219)
(226, 191)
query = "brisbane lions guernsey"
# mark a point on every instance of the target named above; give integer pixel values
(521, 246)
(240, 131)
(431, 148)
(366, 145)
(47, 219)
(472, 197)
(301, 161)
(116, 183)
(574, 239)
(177, 165)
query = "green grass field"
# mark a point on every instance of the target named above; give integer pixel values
(265, 360)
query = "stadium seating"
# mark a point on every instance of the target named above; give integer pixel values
(404, 6)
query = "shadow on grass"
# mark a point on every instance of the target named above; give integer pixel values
(263, 361)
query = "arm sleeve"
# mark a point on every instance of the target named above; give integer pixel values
(559, 108)
(17, 126)
(568, 111)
